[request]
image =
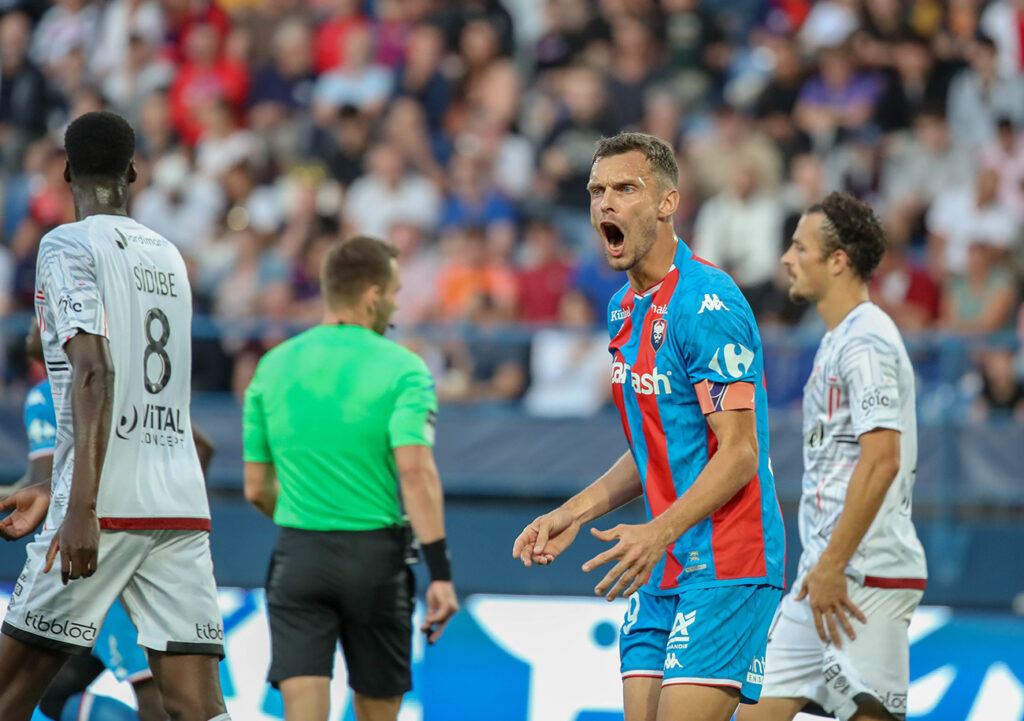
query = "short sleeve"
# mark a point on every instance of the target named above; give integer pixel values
(66, 277)
(721, 349)
(415, 411)
(40, 422)
(869, 369)
(255, 447)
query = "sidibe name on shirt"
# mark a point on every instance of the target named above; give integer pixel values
(156, 282)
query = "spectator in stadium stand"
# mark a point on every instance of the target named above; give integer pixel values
(917, 167)
(732, 143)
(389, 192)
(1005, 153)
(342, 144)
(979, 96)
(332, 34)
(960, 214)
(22, 91)
(470, 271)
(156, 134)
(360, 81)
(739, 230)
(283, 88)
(839, 98)
(417, 298)
(914, 81)
(405, 128)
(129, 84)
(179, 205)
(568, 363)
(420, 76)
(473, 201)
(565, 154)
(487, 365)
(984, 298)
(68, 25)
(902, 288)
(544, 275)
(695, 43)
(637, 68)
(121, 23)
(333, 463)
(206, 76)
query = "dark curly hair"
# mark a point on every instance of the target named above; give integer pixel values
(658, 153)
(851, 226)
(99, 144)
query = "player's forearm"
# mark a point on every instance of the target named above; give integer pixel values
(424, 503)
(619, 485)
(725, 474)
(865, 494)
(92, 398)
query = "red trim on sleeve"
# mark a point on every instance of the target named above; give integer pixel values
(880, 582)
(155, 524)
(714, 397)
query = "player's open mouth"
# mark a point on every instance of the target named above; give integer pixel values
(614, 238)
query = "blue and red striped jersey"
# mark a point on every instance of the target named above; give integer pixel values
(687, 347)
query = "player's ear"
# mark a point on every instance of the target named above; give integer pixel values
(67, 171)
(839, 262)
(133, 172)
(668, 205)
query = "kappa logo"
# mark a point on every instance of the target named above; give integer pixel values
(658, 330)
(121, 239)
(681, 626)
(712, 302)
(737, 358)
(672, 662)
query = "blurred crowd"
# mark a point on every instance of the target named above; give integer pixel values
(463, 132)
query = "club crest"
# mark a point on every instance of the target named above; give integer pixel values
(658, 330)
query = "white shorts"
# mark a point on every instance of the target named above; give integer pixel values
(164, 579)
(799, 664)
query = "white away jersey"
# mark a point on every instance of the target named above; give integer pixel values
(109, 275)
(862, 380)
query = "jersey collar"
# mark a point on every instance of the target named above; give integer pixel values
(683, 254)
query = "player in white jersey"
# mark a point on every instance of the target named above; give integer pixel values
(839, 639)
(128, 515)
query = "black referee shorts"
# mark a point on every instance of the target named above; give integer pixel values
(352, 586)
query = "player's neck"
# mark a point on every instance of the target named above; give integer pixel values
(656, 264)
(96, 199)
(346, 316)
(841, 299)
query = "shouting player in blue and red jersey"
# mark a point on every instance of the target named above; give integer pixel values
(705, 574)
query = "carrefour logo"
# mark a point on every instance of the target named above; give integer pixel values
(736, 357)
(644, 384)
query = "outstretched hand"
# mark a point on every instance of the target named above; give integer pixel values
(543, 540)
(29, 506)
(639, 549)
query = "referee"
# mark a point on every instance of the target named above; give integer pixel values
(338, 426)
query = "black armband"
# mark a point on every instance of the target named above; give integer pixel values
(439, 562)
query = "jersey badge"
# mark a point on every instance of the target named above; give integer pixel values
(659, 328)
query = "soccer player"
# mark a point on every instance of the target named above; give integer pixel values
(704, 574)
(116, 646)
(128, 515)
(338, 435)
(861, 556)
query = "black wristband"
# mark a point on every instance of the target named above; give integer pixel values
(439, 563)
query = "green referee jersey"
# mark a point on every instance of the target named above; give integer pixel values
(327, 408)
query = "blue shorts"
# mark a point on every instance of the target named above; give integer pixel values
(117, 646)
(707, 636)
